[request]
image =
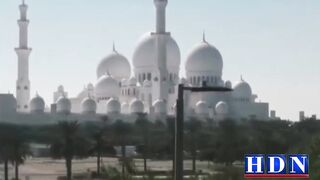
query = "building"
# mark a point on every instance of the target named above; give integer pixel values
(150, 86)
(302, 116)
(273, 114)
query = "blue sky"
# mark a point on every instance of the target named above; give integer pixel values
(274, 44)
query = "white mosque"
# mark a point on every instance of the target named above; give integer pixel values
(153, 87)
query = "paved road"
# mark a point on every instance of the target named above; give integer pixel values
(48, 169)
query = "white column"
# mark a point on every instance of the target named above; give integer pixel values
(162, 66)
(23, 52)
(160, 87)
(160, 15)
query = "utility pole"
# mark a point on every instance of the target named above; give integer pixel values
(178, 149)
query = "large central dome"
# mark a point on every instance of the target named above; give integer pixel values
(115, 64)
(205, 58)
(145, 55)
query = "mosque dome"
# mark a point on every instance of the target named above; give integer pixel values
(115, 64)
(88, 106)
(37, 104)
(159, 106)
(8, 103)
(125, 108)
(242, 90)
(222, 107)
(145, 54)
(113, 106)
(136, 106)
(63, 105)
(204, 58)
(132, 81)
(228, 84)
(106, 87)
(202, 107)
(87, 90)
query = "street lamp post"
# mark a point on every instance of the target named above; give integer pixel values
(178, 150)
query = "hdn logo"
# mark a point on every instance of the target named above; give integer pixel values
(276, 166)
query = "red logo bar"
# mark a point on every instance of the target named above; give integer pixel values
(301, 176)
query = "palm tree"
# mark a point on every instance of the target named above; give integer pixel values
(192, 128)
(21, 150)
(4, 156)
(170, 122)
(101, 146)
(144, 130)
(69, 144)
(228, 144)
(98, 140)
(121, 132)
(13, 148)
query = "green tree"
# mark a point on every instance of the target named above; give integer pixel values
(21, 150)
(101, 146)
(13, 147)
(143, 126)
(314, 154)
(229, 143)
(5, 153)
(268, 137)
(171, 133)
(69, 144)
(121, 132)
(193, 127)
(98, 148)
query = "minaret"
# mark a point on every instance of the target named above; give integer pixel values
(161, 85)
(23, 52)
(161, 15)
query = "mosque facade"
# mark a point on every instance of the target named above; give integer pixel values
(150, 86)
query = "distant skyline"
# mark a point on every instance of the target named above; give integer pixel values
(273, 44)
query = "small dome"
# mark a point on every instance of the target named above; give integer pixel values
(107, 87)
(37, 104)
(88, 106)
(115, 64)
(242, 90)
(136, 106)
(202, 107)
(113, 106)
(63, 105)
(222, 107)
(125, 108)
(147, 83)
(228, 84)
(145, 53)
(159, 106)
(8, 104)
(204, 58)
(132, 81)
(88, 90)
